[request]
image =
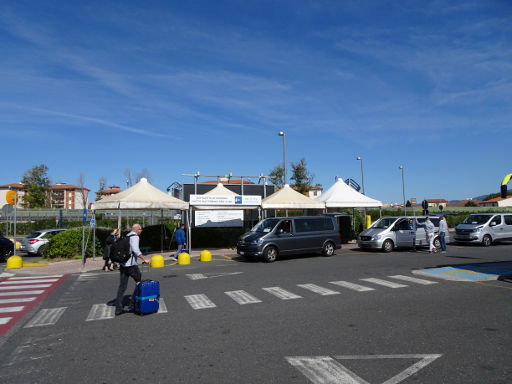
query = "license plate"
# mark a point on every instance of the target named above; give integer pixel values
(241, 253)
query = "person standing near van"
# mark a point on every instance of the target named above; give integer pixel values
(414, 229)
(429, 230)
(181, 240)
(443, 231)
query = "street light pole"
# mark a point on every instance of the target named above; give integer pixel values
(281, 133)
(403, 188)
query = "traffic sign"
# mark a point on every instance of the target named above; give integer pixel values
(85, 215)
(7, 210)
(11, 197)
(92, 222)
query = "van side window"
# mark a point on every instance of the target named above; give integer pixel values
(435, 221)
(508, 219)
(314, 225)
(497, 219)
(285, 225)
(403, 225)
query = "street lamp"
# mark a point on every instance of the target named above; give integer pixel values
(281, 133)
(401, 167)
(362, 172)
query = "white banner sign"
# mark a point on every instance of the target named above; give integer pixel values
(224, 200)
(231, 218)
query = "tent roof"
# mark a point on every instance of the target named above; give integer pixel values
(341, 195)
(141, 196)
(221, 190)
(287, 198)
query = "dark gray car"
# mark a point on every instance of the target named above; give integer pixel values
(290, 235)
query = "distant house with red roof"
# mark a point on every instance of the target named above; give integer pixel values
(497, 202)
(18, 187)
(67, 196)
(436, 203)
(112, 190)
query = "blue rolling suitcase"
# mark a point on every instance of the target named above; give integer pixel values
(147, 297)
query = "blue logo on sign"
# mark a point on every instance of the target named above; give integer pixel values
(238, 199)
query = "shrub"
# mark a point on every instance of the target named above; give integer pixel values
(68, 244)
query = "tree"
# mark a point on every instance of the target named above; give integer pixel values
(408, 204)
(36, 184)
(471, 204)
(103, 185)
(277, 176)
(128, 176)
(144, 173)
(302, 177)
(85, 195)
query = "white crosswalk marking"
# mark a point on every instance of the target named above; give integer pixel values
(11, 287)
(162, 308)
(413, 279)
(47, 316)
(21, 293)
(282, 293)
(101, 312)
(355, 287)
(5, 320)
(242, 297)
(318, 289)
(15, 282)
(384, 283)
(32, 277)
(11, 309)
(196, 276)
(18, 300)
(199, 301)
(324, 370)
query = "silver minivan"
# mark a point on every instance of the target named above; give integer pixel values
(484, 228)
(389, 233)
(290, 235)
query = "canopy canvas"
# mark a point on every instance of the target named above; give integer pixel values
(341, 195)
(288, 198)
(225, 200)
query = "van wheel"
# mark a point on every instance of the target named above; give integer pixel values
(387, 246)
(486, 241)
(437, 243)
(270, 254)
(328, 249)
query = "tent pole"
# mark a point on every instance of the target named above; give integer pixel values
(161, 231)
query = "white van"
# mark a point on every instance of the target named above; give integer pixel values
(484, 228)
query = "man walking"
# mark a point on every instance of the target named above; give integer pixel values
(443, 231)
(429, 230)
(180, 240)
(414, 229)
(130, 268)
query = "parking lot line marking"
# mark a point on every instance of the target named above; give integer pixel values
(318, 289)
(162, 308)
(324, 370)
(20, 293)
(45, 317)
(18, 300)
(355, 287)
(196, 276)
(33, 281)
(11, 309)
(281, 293)
(242, 297)
(5, 320)
(32, 277)
(384, 283)
(200, 301)
(413, 279)
(11, 287)
(101, 312)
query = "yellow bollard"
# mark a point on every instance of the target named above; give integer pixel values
(183, 258)
(157, 261)
(205, 255)
(14, 262)
(18, 244)
(368, 221)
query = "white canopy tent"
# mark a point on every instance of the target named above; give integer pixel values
(342, 195)
(288, 198)
(140, 196)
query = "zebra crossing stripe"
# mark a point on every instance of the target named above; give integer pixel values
(281, 293)
(5, 320)
(413, 279)
(384, 283)
(196, 276)
(242, 297)
(324, 370)
(9, 282)
(11, 287)
(18, 300)
(355, 287)
(47, 316)
(32, 277)
(162, 308)
(20, 293)
(318, 289)
(11, 309)
(101, 312)
(199, 301)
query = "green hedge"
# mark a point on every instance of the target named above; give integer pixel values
(68, 245)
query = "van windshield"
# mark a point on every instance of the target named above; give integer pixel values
(265, 226)
(476, 219)
(384, 223)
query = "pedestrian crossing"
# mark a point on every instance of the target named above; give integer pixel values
(201, 301)
(18, 295)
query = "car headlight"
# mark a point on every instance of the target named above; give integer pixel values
(376, 237)
(479, 229)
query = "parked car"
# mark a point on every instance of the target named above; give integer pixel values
(484, 228)
(6, 248)
(36, 241)
(290, 235)
(389, 233)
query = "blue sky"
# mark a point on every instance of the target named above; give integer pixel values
(97, 87)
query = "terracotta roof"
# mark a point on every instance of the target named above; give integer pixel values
(66, 186)
(436, 200)
(112, 190)
(495, 200)
(14, 185)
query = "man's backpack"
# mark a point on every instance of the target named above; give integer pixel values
(120, 251)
